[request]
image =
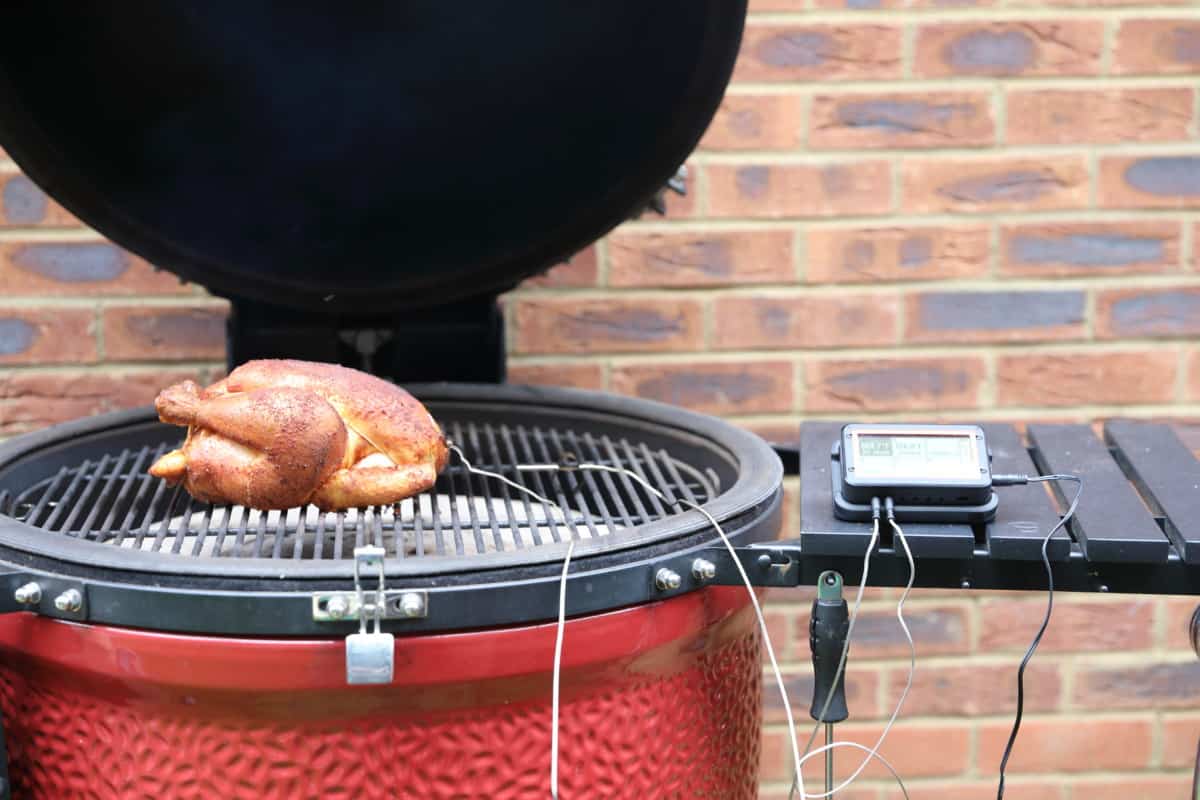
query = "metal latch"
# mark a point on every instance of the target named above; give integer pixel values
(370, 657)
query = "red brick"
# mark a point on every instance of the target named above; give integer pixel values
(578, 376)
(1016, 316)
(790, 528)
(937, 630)
(1080, 379)
(581, 269)
(73, 268)
(1174, 684)
(1157, 47)
(799, 190)
(1118, 626)
(755, 387)
(901, 119)
(756, 122)
(1193, 373)
(1045, 47)
(1093, 4)
(1136, 313)
(1142, 787)
(46, 335)
(854, 792)
(159, 333)
(804, 321)
(818, 52)
(862, 690)
(23, 204)
(975, 689)
(874, 255)
(716, 258)
(1016, 789)
(1017, 184)
(1090, 248)
(776, 5)
(31, 400)
(1178, 612)
(952, 3)
(618, 324)
(1098, 116)
(781, 433)
(859, 5)
(1179, 736)
(1066, 745)
(898, 384)
(1160, 181)
(917, 750)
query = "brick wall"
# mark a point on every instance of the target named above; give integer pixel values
(941, 208)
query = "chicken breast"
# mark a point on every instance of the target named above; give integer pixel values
(278, 434)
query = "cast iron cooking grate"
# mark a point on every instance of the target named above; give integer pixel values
(112, 500)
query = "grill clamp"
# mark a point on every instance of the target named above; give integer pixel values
(370, 657)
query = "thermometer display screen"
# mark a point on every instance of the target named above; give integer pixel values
(922, 457)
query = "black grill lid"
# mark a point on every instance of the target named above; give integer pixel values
(359, 156)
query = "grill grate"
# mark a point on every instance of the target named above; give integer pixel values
(113, 500)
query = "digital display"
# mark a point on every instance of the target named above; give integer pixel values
(909, 456)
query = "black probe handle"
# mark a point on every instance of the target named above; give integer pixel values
(826, 636)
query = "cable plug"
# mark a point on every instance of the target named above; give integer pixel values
(1010, 480)
(875, 509)
(890, 507)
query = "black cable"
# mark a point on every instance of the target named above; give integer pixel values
(1014, 480)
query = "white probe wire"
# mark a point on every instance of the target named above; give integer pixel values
(912, 668)
(762, 623)
(558, 644)
(737, 562)
(798, 778)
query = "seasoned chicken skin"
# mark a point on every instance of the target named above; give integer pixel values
(278, 434)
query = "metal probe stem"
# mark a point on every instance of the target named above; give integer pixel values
(829, 758)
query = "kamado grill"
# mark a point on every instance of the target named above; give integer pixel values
(362, 185)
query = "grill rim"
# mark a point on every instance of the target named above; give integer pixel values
(757, 468)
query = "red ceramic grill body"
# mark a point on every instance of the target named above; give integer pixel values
(658, 701)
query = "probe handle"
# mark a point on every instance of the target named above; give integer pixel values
(826, 637)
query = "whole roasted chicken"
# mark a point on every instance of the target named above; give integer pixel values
(281, 434)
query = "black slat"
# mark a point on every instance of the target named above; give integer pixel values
(1025, 514)
(1166, 473)
(100, 502)
(485, 484)
(82, 502)
(822, 533)
(1111, 524)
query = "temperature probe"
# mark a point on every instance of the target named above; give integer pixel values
(933, 473)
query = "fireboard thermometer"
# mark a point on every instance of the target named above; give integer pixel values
(932, 473)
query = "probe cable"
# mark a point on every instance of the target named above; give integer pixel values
(873, 752)
(1017, 480)
(787, 707)
(762, 623)
(562, 604)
